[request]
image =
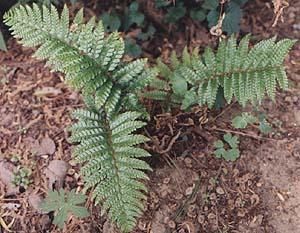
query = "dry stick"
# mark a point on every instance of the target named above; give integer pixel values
(243, 134)
(225, 110)
(173, 140)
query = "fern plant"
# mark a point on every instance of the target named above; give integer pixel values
(105, 131)
(245, 75)
(92, 63)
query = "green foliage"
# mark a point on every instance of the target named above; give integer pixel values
(230, 154)
(161, 3)
(264, 126)
(111, 21)
(245, 75)
(146, 35)
(64, 203)
(209, 10)
(175, 13)
(198, 14)
(241, 122)
(124, 21)
(233, 15)
(112, 164)
(106, 129)
(92, 63)
(2, 43)
(132, 15)
(132, 49)
(21, 177)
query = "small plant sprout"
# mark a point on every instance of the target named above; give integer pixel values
(64, 203)
(230, 154)
(22, 177)
(241, 122)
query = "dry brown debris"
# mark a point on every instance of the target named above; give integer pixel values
(279, 6)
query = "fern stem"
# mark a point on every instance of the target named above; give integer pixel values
(110, 143)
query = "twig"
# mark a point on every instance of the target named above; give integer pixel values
(173, 140)
(243, 134)
(225, 110)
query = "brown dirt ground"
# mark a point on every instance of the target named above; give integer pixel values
(190, 190)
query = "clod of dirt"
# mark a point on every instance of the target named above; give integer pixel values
(56, 172)
(46, 147)
(35, 201)
(6, 176)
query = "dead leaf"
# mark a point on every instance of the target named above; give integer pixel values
(46, 222)
(35, 201)
(56, 172)
(6, 176)
(279, 6)
(46, 147)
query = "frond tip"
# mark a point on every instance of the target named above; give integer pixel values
(112, 164)
(245, 75)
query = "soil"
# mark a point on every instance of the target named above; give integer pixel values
(190, 190)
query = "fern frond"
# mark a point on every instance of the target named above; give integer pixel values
(113, 167)
(92, 62)
(243, 74)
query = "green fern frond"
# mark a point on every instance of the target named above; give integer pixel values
(156, 95)
(112, 164)
(92, 62)
(243, 74)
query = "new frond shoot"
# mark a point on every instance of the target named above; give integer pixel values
(93, 64)
(64, 203)
(241, 74)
